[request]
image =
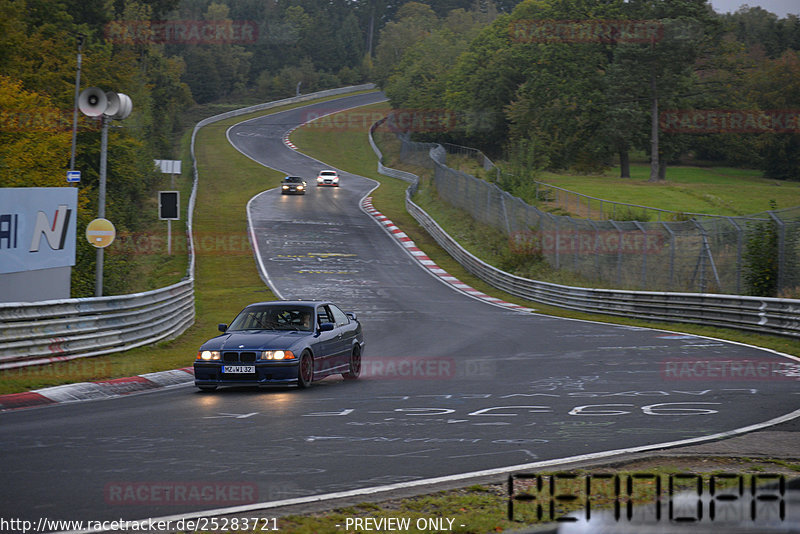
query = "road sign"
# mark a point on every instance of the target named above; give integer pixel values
(169, 205)
(100, 233)
(73, 177)
(168, 166)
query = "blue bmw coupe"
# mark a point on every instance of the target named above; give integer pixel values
(281, 342)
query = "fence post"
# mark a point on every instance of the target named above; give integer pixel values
(619, 253)
(739, 243)
(671, 254)
(781, 250)
(705, 250)
(558, 260)
(575, 244)
(596, 255)
(644, 254)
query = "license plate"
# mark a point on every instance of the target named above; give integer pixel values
(239, 369)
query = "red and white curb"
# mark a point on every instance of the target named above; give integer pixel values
(286, 138)
(429, 264)
(104, 389)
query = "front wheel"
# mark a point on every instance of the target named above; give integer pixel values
(355, 364)
(207, 388)
(305, 371)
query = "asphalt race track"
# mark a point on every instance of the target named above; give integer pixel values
(450, 384)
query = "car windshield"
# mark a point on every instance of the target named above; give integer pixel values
(327, 173)
(297, 318)
(293, 179)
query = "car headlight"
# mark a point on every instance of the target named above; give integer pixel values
(299, 187)
(286, 187)
(208, 355)
(277, 355)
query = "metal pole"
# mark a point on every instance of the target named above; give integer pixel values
(75, 105)
(644, 254)
(739, 242)
(781, 227)
(101, 203)
(169, 221)
(671, 253)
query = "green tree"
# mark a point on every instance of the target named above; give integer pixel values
(414, 21)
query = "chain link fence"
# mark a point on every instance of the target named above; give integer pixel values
(755, 255)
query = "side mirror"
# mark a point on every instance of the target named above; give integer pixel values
(326, 327)
(222, 327)
(352, 315)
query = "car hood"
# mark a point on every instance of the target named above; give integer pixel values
(256, 340)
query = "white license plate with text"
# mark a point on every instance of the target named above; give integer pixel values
(239, 369)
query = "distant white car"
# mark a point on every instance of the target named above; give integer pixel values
(328, 177)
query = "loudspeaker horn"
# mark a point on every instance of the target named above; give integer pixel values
(125, 106)
(113, 104)
(92, 102)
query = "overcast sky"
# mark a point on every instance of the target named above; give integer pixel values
(779, 7)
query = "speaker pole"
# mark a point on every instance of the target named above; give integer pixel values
(101, 202)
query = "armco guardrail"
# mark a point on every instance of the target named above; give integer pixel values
(37, 333)
(34, 333)
(759, 314)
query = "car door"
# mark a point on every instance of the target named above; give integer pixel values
(344, 336)
(327, 344)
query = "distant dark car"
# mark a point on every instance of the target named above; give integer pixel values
(328, 177)
(281, 342)
(293, 185)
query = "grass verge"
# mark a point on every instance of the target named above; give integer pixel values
(712, 190)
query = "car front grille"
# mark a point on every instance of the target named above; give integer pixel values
(234, 357)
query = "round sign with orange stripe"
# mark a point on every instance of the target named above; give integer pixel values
(100, 233)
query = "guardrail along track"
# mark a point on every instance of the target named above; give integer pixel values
(758, 314)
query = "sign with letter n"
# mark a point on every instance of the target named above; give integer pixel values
(169, 203)
(37, 228)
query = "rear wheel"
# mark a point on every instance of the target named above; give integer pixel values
(355, 364)
(305, 371)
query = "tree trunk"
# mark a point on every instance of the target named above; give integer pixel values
(654, 174)
(370, 32)
(662, 168)
(624, 161)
